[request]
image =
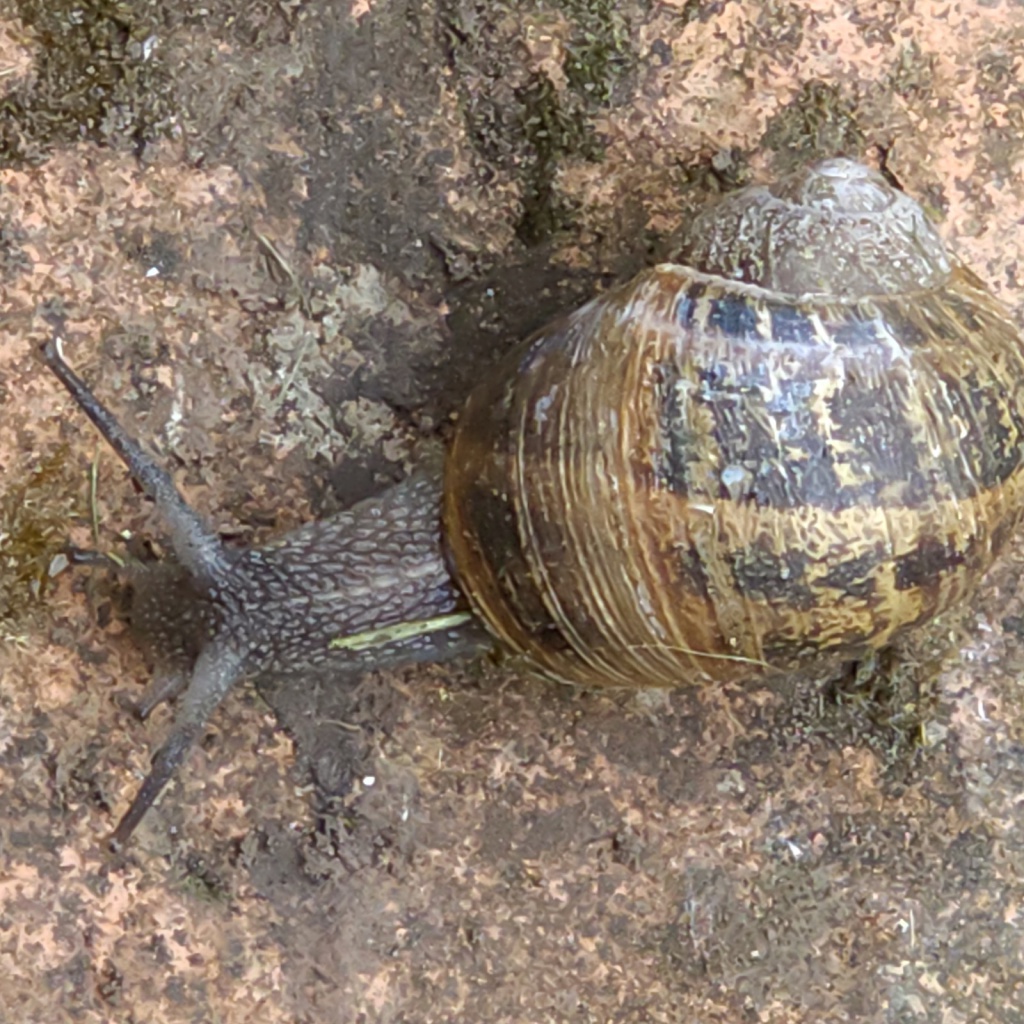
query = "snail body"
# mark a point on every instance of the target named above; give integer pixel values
(793, 445)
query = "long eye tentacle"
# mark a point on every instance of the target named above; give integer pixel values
(195, 545)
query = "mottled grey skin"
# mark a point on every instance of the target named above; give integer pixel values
(216, 616)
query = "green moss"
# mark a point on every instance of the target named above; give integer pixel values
(599, 54)
(551, 133)
(725, 171)
(890, 701)
(912, 74)
(202, 883)
(530, 129)
(98, 75)
(13, 258)
(34, 513)
(819, 122)
(887, 701)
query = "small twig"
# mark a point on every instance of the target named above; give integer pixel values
(278, 258)
(293, 370)
(94, 511)
(342, 724)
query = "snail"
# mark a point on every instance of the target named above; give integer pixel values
(793, 445)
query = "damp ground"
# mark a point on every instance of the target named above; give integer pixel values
(282, 240)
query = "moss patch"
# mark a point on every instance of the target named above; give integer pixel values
(821, 121)
(98, 75)
(34, 513)
(599, 55)
(552, 132)
(519, 119)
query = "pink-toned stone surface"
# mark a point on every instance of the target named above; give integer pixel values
(508, 852)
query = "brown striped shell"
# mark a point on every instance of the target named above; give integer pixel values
(795, 445)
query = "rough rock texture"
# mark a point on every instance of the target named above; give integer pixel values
(282, 239)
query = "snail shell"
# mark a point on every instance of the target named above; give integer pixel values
(797, 443)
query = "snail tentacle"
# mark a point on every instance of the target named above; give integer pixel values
(195, 545)
(216, 671)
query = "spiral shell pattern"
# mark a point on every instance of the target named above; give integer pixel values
(796, 443)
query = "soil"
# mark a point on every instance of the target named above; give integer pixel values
(282, 239)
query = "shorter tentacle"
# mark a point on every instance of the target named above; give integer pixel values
(166, 684)
(217, 670)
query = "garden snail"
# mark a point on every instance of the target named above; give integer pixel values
(797, 443)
